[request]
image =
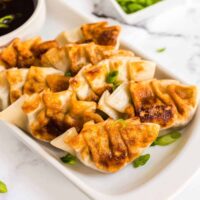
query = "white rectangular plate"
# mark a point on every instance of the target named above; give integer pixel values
(169, 167)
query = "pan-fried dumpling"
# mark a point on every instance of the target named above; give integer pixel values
(80, 85)
(24, 54)
(83, 54)
(72, 57)
(104, 106)
(165, 102)
(16, 79)
(120, 100)
(122, 53)
(99, 32)
(110, 145)
(51, 114)
(4, 91)
(96, 75)
(57, 82)
(18, 53)
(27, 81)
(36, 79)
(67, 37)
(56, 58)
(14, 114)
(141, 70)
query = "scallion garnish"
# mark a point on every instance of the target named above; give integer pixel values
(142, 160)
(69, 159)
(160, 50)
(3, 187)
(6, 20)
(131, 6)
(68, 74)
(167, 139)
(112, 77)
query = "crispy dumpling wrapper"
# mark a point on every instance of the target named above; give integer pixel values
(120, 98)
(24, 54)
(4, 91)
(67, 37)
(110, 145)
(15, 115)
(99, 33)
(80, 85)
(16, 79)
(104, 106)
(51, 114)
(72, 57)
(15, 82)
(165, 102)
(59, 141)
(92, 79)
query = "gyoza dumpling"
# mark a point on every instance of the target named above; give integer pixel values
(73, 57)
(36, 79)
(16, 79)
(108, 146)
(67, 37)
(4, 91)
(83, 54)
(54, 113)
(120, 100)
(57, 58)
(27, 81)
(165, 102)
(99, 32)
(15, 115)
(98, 75)
(80, 85)
(104, 106)
(24, 54)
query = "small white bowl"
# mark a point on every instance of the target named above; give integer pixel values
(30, 27)
(111, 8)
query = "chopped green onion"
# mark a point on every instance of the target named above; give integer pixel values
(112, 77)
(69, 74)
(134, 7)
(142, 160)
(131, 6)
(167, 139)
(69, 159)
(4, 26)
(160, 50)
(6, 20)
(3, 187)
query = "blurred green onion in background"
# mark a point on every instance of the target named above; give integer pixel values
(131, 6)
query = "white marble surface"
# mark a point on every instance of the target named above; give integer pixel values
(178, 30)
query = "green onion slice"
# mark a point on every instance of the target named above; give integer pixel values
(112, 77)
(3, 187)
(142, 160)
(69, 159)
(160, 50)
(167, 139)
(68, 74)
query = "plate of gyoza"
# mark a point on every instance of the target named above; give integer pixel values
(109, 118)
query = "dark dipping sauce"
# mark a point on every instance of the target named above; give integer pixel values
(14, 13)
